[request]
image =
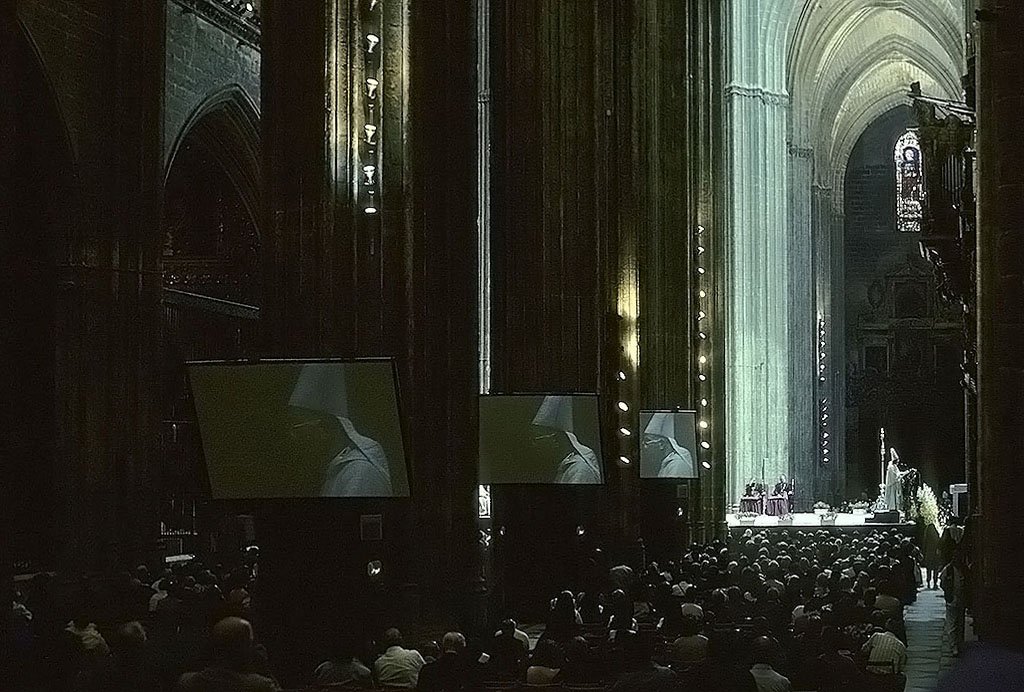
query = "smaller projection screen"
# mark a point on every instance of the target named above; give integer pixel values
(538, 438)
(290, 429)
(668, 444)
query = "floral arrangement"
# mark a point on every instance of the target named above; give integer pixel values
(864, 504)
(821, 505)
(747, 516)
(928, 506)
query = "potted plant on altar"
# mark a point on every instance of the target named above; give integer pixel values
(821, 508)
(747, 517)
(828, 518)
(860, 507)
(786, 520)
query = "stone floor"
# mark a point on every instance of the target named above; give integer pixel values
(928, 654)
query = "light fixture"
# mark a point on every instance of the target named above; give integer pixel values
(700, 249)
(702, 335)
(369, 171)
(625, 460)
(374, 4)
(372, 40)
(700, 270)
(703, 402)
(702, 293)
(622, 376)
(679, 511)
(702, 360)
(703, 425)
(706, 464)
(371, 88)
(370, 210)
(700, 229)
(625, 432)
(580, 530)
(702, 377)
(705, 444)
(701, 314)
(371, 133)
(623, 406)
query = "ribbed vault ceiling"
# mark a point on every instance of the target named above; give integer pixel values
(849, 61)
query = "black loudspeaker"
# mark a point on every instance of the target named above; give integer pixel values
(890, 517)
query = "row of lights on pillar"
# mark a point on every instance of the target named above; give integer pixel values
(369, 135)
(625, 432)
(823, 402)
(703, 304)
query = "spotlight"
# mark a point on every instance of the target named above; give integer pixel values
(821, 379)
(374, 4)
(702, 377)
(702, 360)
(623, 406)
(706, 464)
(374, 568)
(371, 133)
(622, 376)
(372, 40)
(700, 270)
(700, 229)
(702, 293)
(825, 460)
(702, 335)
(625, 460)
(580, 530)
(369, 211)
(703, 402)
(369, 171)
(249, 8)
(705, 444)
(371, 88)
(625, 432)
(703, 425)
(701, 314)
(700, 249)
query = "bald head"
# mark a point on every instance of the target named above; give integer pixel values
(232, 639)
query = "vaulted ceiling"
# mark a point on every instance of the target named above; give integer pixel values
(850, 61)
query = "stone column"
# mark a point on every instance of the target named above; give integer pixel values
(759, 311)
(803, 327)
(998, 573)
(830, 479)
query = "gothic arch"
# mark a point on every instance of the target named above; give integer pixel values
(39, 231)
(227, 123)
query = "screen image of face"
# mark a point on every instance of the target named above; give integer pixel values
(668, 444)
(300, 429)
(540, 438)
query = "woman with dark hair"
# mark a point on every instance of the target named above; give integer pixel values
(563, 620)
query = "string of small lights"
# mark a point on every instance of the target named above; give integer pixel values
(702, 284)
(823, 402)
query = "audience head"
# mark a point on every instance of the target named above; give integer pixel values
(453, 642)
(232, 641)
(392, 637)
(762, 650)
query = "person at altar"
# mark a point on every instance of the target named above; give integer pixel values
(893, 481)
(753, 489)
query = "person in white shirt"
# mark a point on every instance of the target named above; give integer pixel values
(885, 652)
(397, 666)
(767, 679)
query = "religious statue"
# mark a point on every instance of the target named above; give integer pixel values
(893, 477)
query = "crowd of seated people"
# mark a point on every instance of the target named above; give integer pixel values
(788, 610)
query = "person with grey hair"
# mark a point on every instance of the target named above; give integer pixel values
(452, 672)
(234, 654)
(360, 465)
(580, 464)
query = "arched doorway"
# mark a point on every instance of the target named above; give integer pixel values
(210, 261)
(34, 232)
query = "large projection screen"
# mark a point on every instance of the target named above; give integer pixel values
(540, 438)
(290, 429)
(668, 444)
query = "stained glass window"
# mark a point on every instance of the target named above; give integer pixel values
(909, 183)
(483, 501)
